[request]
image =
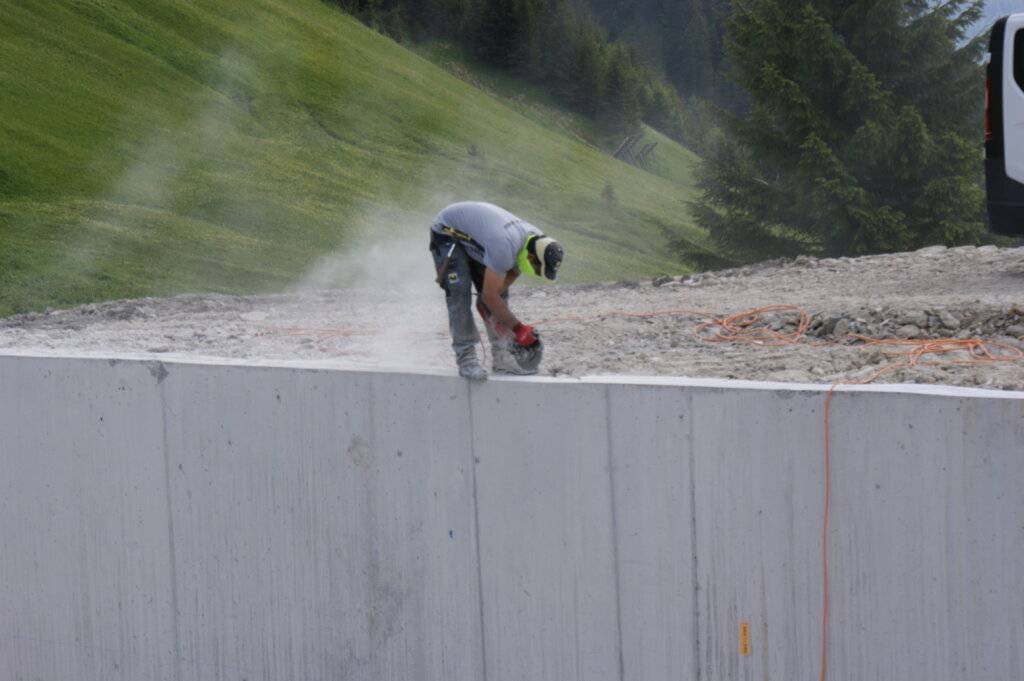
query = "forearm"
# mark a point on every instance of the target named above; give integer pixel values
(499, 308)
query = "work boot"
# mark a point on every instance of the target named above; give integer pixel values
(505, 363)
(469, 367)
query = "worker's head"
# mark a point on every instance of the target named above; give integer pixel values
(541, 257)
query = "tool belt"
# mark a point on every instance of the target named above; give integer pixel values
(444, 244)
(456, 234)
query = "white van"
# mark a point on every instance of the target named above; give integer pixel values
(1004, 126)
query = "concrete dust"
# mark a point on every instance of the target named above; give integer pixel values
(390, 314)
(377, 288)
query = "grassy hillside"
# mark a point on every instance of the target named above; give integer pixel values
(152, 147)
(670, 159)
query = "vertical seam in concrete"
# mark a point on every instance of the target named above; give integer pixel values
(476, 533)
(170, 535)
(698, 667)
(615, 528)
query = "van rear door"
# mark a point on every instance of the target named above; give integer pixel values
(1013, 97)
(1004, 126)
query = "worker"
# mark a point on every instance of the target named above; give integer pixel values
(480, 245)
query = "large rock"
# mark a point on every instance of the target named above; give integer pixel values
(908, 331)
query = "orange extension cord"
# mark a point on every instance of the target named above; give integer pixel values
(748, 327)
(978, 352)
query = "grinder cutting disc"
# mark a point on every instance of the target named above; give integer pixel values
(528, 357)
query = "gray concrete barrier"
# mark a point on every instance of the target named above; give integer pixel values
(185, 520)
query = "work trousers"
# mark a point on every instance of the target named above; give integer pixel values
(464, 274)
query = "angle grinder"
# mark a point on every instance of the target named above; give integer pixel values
(528, 357)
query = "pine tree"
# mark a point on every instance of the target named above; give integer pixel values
(846, 148)
(504, 30)
(556, 25)
(437, 17)
(688, 47)
(586, 87)
(620, 104)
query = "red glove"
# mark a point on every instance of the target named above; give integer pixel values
(524, 334)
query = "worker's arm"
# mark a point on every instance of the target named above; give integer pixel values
(494, 285)
(510, 279)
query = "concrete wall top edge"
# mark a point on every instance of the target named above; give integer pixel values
(172, 359)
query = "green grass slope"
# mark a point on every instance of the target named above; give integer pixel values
(670, 159)
(150, 147)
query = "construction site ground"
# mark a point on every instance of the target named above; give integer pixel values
(397, 319)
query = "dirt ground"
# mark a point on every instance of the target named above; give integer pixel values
(933, 293)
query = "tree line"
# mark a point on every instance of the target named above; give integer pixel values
(550, 42)
(831, 127)
(684, 39)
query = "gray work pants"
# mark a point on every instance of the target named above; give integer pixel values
(464, 274)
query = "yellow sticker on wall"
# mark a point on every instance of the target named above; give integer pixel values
(744, 638)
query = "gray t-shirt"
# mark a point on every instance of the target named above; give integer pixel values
(497, 235)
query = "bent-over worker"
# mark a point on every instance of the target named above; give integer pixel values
(480, 245)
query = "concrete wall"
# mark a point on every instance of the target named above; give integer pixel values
(185, 521)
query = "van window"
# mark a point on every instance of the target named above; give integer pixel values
(1018, 58)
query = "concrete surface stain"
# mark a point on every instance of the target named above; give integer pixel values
(158, 371)
(385, 605)
(359, 451)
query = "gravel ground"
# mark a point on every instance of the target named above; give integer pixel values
(933, 293)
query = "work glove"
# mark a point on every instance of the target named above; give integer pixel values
(524, 334)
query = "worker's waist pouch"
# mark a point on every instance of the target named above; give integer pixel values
(439, 243)
(448, 249)
(443, 247)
